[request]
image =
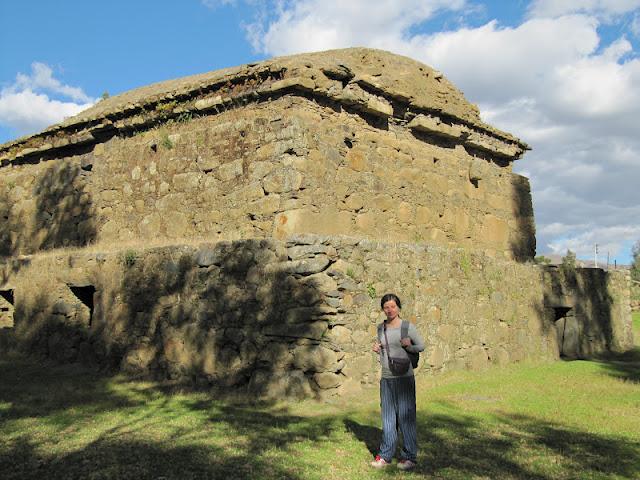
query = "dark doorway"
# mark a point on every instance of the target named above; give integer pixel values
(568, 332)
(85, 294)
(6, 308)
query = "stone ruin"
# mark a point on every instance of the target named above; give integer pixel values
(237, 228)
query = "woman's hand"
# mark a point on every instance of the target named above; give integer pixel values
(377, 346)
(406, 342)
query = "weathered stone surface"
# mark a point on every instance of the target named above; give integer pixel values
(433, 125)
(316, 358)
(318, 182)
(277, 385)
(326, 380)
(312, 330)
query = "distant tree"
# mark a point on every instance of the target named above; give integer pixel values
(568, 267)
(569, 260)
(104, 95)
(542, 260)
(635, 265)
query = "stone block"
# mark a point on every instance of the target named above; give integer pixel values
(435, 126)
(327, 380)
(339, 335)
(355, 201)
(436, 357)
(356, 160)
(150, 225)
(207, 256)
(187, 182)
(366, 223)
(277, 385)
(383, 202)
(176, 224)
(265, 206)
(109, 195)
(315, 358)
(405, 212)
(477, 359)
(138, 360)
(281, 181)
(494, 230)
(312, 330)
(229, 171)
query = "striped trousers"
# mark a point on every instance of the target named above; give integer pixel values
(398, 406)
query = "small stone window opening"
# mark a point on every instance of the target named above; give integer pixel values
(85, 294)
(475, 182)
(6, 308)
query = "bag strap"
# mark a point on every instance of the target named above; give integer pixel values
(386, 341)
(404, 329)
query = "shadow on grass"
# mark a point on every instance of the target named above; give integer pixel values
(125, 459)
(38, 390)
(625, 366)
(137, 431)
(67, 422)
(513, 447)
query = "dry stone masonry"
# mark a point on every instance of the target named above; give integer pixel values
(237, 228)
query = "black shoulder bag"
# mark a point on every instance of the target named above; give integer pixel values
(398, 366)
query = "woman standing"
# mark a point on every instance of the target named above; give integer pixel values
(397, 386)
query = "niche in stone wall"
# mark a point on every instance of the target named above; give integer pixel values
(85, 294)
(6, 308)
(568, 330)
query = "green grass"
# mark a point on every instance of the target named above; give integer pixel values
(561, 420)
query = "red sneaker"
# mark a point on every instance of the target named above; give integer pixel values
(406, 465)
(379, 462)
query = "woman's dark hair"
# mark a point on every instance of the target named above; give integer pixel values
(390, 296)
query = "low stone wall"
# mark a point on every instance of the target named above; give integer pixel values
(591, 310)
(298, 317)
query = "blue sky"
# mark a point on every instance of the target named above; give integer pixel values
(563, 75)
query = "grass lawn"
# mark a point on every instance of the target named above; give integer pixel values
(561, 420)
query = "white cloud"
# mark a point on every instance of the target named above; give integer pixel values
(28, 105)
(310, 25)
(604, 9)
(610, 242)
(548, 80)
(26, 111)
(41, 78)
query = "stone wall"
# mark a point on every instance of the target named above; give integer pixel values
(590, 308)
(287, 167)
(346, 143)
(297, 317)
(304, 188)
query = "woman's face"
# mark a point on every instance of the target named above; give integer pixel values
(390, 309)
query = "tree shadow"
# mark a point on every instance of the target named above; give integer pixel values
(112, 458)
(64, 214)
(57, 212)
(625, 366)
(236, 316)
(588, 320)
(523, 241)
(518, 447)
(227, 442)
